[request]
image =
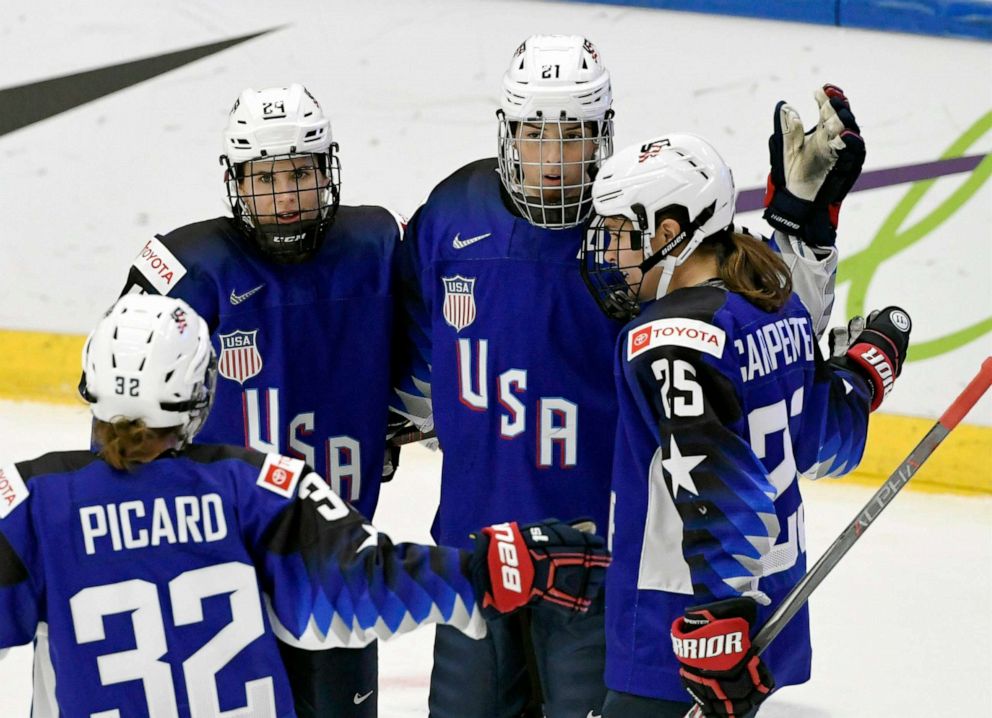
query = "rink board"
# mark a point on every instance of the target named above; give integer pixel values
(36, 366)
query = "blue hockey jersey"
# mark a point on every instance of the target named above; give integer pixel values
(514, 355)
(147, 590)
(303, 349)
(722, 406)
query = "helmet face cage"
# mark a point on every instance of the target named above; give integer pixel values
(285, 203)
(547, 166)
(283, 174)
(555, 128)
(611, 263)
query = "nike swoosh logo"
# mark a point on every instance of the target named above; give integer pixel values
(460, 243)
(359, 699)
(590, 714)
(27, 104)
(236, 299)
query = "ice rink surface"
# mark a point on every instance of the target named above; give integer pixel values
(901, 628)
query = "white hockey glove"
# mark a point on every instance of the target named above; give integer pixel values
(812, 172)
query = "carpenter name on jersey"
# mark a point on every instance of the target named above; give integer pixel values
(303, 349)
(161, 591)
(723, 406)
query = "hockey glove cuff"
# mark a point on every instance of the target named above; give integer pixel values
(549, 561)
(719, 668)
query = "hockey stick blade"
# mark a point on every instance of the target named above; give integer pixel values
(800, 593)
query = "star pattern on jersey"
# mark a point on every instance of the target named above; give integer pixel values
(372, 540)
(679, 468)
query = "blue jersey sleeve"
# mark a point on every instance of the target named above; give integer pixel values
(412, 377)
(332, 579)
(20, 579)
(837, 415)
(711, 477)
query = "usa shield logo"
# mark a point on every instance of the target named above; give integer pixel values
(239, 359)
(459, 301)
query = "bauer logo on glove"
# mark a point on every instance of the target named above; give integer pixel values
(550, 561)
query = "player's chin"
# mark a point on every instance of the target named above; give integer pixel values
(556, 195)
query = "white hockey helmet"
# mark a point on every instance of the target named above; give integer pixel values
(267, 126)
(554, 82)
(150, 358)
(639, 183)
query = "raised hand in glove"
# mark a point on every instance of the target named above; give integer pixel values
(812, 172)
(875, 348)
(719, 668)
(549, 561)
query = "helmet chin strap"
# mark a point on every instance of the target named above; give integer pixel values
(667, 269)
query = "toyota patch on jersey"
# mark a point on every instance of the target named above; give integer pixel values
(279, 474)
(159, 266)
(13, 490)
(689, 333)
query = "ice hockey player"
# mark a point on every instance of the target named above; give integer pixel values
(724, 400)
(156, 575)
(296, 290)
(512, 352)
(515, 361)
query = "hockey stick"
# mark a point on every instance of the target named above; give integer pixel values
(798, 596)
(412, 436)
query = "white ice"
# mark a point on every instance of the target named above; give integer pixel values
(901, 628)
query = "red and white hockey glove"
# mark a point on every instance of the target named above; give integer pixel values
(719, 668)
(875, 349)
(549, 561)
(812, 172)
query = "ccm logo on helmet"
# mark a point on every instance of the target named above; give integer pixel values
(509, 560)
(712, 647)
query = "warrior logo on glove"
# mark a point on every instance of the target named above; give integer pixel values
(874, 349)
(719, 668)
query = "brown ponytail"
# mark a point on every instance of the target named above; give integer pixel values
(127, 443)
(749, 267)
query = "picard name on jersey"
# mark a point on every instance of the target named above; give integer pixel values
(133, 525)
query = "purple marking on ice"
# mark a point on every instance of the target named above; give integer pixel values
(752, 199)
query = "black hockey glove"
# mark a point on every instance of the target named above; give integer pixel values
(549, 561)
(719, 668)
(812, 172)
(391, 461)
(875, 349)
